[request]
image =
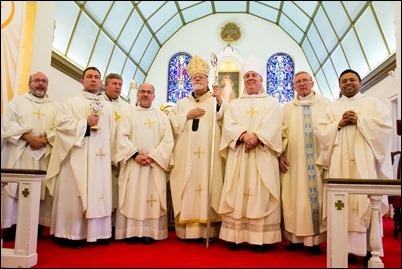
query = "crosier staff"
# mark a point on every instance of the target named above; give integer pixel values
(214, 63)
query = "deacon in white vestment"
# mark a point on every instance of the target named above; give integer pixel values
(251, 135)
(301, 179)
(79, 175)
(113, 85)
(195, 194)
(27, 136)
(144, 147)
(354, 133)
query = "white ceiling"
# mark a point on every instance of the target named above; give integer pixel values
(333, 35)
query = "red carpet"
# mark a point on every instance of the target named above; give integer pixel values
(174, 253)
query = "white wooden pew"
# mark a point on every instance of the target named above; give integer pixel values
(24, 255)
(337, 192)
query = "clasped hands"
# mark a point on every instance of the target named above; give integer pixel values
(250, 141)
(348, 118)
(35, 141)
(144, 159)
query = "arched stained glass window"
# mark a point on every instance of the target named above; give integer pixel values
(280, 71)
(179, 82)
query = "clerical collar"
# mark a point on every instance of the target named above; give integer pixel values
(110, 99)
(306, 99)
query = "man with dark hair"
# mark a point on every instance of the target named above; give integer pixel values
(144, 147)
(355, 133)
(113, 86)
(79, 175)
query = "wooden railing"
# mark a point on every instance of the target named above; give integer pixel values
(337, 192)
(24, 255)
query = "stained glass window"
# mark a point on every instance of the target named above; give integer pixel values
(280, 71)
(179, 82)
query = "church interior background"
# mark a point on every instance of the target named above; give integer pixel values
(154, 41)
(125, 37)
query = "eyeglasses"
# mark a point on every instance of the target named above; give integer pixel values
(305, 80)
(146, 92)
(37, 80)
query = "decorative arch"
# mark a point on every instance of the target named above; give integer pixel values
(280, 72)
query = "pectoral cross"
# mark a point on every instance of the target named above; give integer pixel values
(198, 152)
(116, 116)
(247, 193)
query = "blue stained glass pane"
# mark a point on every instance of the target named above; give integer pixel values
(280, 71)
(179, 82)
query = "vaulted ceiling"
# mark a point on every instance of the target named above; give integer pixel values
(129, 34)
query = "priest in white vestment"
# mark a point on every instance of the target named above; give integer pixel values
(196, 121)
(113, 86)
(252, 137)
(302, 188)
(354, 133)
(79, 175)
(27, 136)
(144, 147)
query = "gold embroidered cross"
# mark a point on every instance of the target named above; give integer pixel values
(25, 192)
(152, 200)
(149, 123)
(198, 152)
(116, 116)
(252, 111)
(37, 114)
(339, 205)
(199, 190)
(247, 193)
(101, 154)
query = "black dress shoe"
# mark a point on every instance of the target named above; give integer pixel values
(258, 248)
(9, 233)
(132, 240)
(77, 244)
(41, 230)
(294, 247)
(106, 241)
(352, 258)
(147, 240)
(233, 246)
(315, 250)
(367, 258)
